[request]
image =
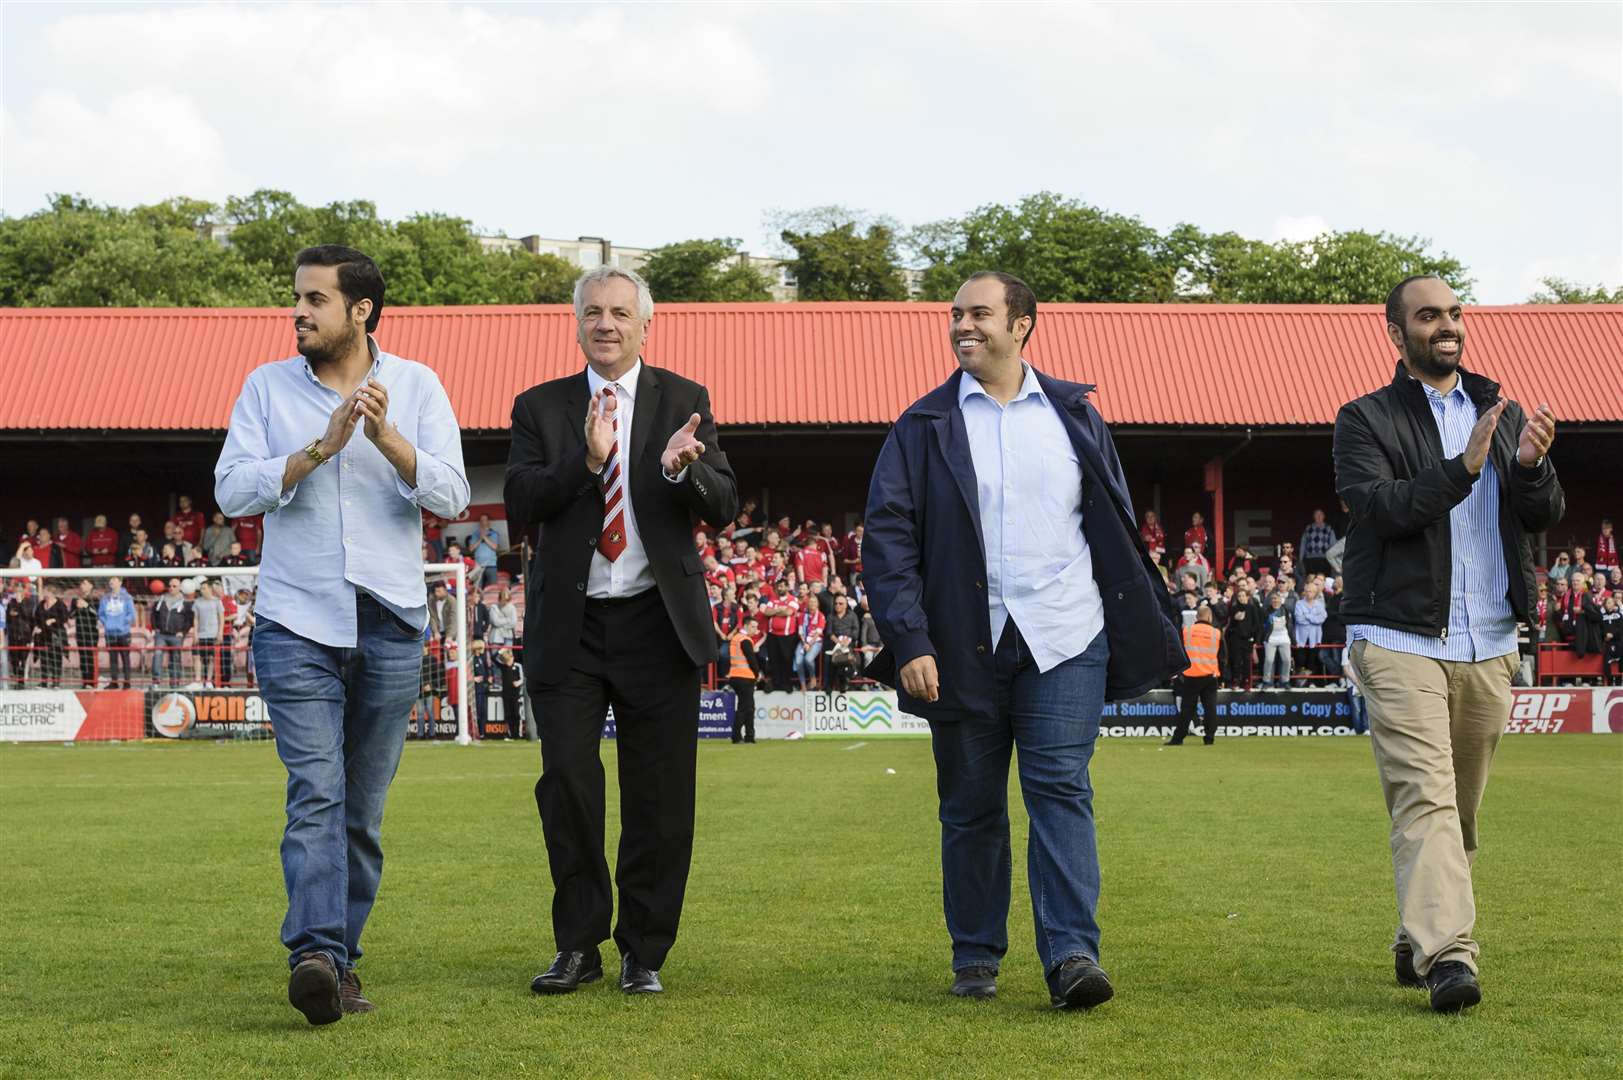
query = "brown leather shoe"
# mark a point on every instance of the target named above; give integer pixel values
(313, 988)
(350, 998)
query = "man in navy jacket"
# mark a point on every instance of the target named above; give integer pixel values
(1014, 596)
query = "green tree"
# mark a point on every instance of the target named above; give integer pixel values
(1560, 291)
(1353, 267)
(844, 262)
(1066, 250)
(78, 254)
(703, 272)
(519, 277)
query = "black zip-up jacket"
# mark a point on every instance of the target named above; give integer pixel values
(1391, 470)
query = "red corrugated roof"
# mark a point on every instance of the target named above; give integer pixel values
(786, 364)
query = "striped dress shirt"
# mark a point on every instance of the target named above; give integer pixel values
(1481, 622)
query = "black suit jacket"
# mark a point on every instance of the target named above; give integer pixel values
(549, 486)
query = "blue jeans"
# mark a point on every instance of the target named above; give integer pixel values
(1054, 719)
(339, 716)
(167, 658)
(806, 662)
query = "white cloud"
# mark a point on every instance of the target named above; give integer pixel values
(429, 88)
(144, 144)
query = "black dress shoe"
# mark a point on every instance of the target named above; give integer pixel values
(1453, 987)
(1403, 963)
(568, 971)
(975, 982)
(636, 979)
(1079, 983)
(1173, 742)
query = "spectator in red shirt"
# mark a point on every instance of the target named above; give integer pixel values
(702, 545)
(190, 521)
(1196, 533)
(811, 564)
(829, 546)
(782, 634)
(1606, 548)
(851, 553)
(1155, 537)
(716, 574)
(67, 545)
(102, 543)
(250, 531)
(433, 529)
(726, 617)
(45, 549)
(1239, 562)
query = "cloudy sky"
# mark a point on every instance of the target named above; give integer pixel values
(1494, 130)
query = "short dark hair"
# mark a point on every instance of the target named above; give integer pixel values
(1017, 297)
(1395, 312)
(358, 276)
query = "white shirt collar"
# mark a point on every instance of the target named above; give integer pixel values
(625, 385)
(969, 386)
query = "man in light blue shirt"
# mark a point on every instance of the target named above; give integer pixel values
(342, 605)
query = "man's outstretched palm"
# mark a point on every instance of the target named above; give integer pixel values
(683, 449)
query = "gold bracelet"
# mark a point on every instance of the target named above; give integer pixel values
(315, 455)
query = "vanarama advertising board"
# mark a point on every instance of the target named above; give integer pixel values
(207, 714)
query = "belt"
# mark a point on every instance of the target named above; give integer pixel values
(620, 601)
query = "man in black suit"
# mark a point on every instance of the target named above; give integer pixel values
(616, 614)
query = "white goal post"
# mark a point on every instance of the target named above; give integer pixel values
(36, 696)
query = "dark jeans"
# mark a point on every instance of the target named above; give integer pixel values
(780, 668)
(630, 658)
(743, 709)
(1201, 689)
(1053, 717)
(339, 716)
(50, 656)
(87, 663)
(118, 659)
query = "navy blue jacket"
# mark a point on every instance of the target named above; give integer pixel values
(924, 563)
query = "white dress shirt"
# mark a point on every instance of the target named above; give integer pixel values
(631, 573)
(1039, 571)
(353, 523)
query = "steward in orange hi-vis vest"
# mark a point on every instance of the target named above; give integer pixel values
(1201, 642)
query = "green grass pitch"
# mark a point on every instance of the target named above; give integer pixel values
(1246, 911)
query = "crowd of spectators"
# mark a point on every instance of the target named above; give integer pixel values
(787, 597)
(1281, 619)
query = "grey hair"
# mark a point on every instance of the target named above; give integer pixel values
(645, 299)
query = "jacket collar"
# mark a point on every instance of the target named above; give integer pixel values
(944, 399)
(1482, 390)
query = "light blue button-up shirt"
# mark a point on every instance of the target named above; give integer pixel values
(1039, 571)
(353, 523)
(1481, 622)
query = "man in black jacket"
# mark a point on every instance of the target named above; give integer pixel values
(1446, 482)
(616, 465)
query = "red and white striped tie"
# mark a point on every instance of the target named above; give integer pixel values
(613, 539)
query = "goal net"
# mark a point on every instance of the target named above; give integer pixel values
(101, 653)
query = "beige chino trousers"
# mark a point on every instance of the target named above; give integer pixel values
(1434, 725)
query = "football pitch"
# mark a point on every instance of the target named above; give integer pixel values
(1246, 911)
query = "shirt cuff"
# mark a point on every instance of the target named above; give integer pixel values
(678, 478)
(269, 483)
